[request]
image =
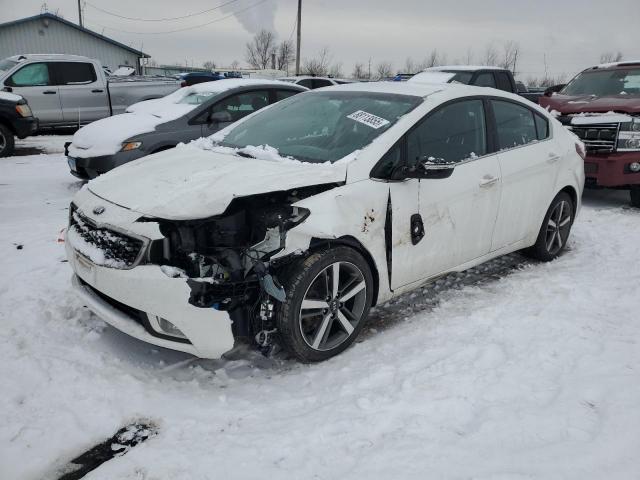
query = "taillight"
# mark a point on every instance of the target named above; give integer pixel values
(580, 150)
(183, 83)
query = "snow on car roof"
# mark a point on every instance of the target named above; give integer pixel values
(417, 89)
(622, 63)
(462, 68)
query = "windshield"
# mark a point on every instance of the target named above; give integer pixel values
(7, 64)
(196, 98)
(605, 82)
(322, 126)
(460, 77)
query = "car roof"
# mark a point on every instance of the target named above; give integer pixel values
(614, 65)
(219, 86)
(48, 56)
(462, 68)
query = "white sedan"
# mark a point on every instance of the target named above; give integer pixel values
(288, 226)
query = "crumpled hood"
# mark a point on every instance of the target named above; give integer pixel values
(566, 104)
(188, 183)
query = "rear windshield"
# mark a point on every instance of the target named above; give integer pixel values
(196, 98)
(605, 82)
(460, 77)
(7, 64)
(322, 127)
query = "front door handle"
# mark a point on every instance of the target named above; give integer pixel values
(49, 92)
(97, 90)
(488, 181)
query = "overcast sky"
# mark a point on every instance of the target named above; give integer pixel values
(572, 34)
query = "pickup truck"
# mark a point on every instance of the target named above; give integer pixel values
(480, 76)
(70, 90)
(16, 119)
(601, 105)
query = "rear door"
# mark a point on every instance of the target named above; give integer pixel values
(529, 164)
(82, 93)
(34, 82)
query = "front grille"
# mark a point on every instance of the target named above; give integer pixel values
(104, 246)
(601, 137)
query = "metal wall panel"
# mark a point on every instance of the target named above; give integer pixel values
(50, 36)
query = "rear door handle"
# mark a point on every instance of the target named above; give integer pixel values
(488, 181)
(97, 91)
(49, 92)
(553, 157)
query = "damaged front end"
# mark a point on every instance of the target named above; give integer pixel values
(227, 260)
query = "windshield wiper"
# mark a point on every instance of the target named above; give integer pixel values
(244, 154)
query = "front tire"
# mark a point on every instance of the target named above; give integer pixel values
(635, 196)
(329, 295)
(7, 142)
(555, 229)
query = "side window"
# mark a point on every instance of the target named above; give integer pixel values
(30, 75)
(504, 82)
(319, 83)
(242, 104)
(485, 80)
(282, 94)
(74, 73)
(515, 124)
(307, 82)
(453, 133)
(542, 126)
(385, 166)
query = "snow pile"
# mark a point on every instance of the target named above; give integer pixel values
(595, 118)
(431, 77)
(529, 373)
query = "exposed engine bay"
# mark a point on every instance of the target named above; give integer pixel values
(227, 259)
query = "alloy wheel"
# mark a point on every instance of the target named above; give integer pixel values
(558, 227)
(333, 306)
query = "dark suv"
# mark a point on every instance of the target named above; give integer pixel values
(15, 119)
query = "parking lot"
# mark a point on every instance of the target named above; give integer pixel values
(513, 370)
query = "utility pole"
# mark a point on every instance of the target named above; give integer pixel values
(298, 43)
(80, 14)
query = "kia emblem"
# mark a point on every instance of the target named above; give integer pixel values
(99, 210)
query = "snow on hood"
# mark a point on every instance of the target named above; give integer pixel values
(431, 77)
(189, 183)
(568, 104)
(12, 97)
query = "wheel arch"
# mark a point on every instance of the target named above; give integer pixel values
(571, 191)
(352, 242)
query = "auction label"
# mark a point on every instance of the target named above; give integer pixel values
(368, 119)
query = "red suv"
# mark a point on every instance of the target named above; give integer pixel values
(601, 105)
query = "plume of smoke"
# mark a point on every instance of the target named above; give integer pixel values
(254, 18)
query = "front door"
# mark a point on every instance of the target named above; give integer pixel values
(82, 95)
(456, 213)
(34, 82)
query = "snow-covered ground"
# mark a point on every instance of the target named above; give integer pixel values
(515, 370)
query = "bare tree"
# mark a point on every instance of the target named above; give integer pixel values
(318, 65)
(384, 70)
(235, 65)
(209, 65)
(490, 56)
(359, 71)
(285, 55)
(510, 51)
(336, 70)
(259, 50)
(611, 57)
(432, 60)
(469, 56)
(409, 66)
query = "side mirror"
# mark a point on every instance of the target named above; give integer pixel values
(429, 167)
(554, 89)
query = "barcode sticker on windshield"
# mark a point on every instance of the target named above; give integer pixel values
(368, 119)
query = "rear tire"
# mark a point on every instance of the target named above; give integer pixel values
(7, 142)
(635, 196)
(329, 295)
(555, 229)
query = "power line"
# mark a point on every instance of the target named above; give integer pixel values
(184, 29)
(160, 19)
